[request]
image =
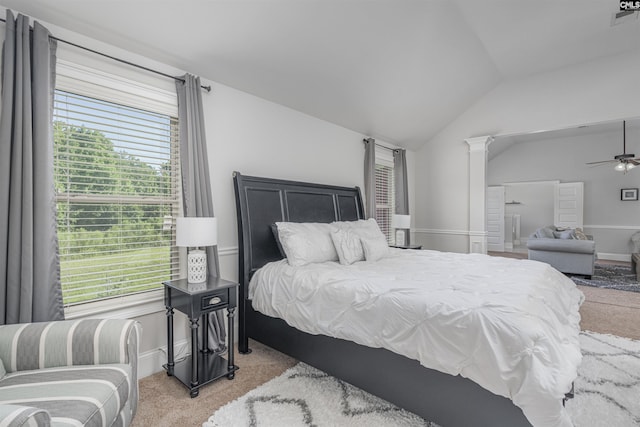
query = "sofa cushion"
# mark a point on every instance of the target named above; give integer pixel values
(562, 245)
(19, 416)
(3, 371)
(91, 395)
(545, 232)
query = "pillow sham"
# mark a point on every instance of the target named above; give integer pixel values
(374, 243)
(348, 246)
(374, 248)
(306, 242)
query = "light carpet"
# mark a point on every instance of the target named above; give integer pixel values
(606, 394)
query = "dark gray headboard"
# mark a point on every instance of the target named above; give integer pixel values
(262, 201)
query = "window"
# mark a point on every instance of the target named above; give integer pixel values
(384, 192)
(116, 185)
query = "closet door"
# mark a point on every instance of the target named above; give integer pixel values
(495, 218)
(569, 204)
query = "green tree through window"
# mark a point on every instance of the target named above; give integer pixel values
(116, 192)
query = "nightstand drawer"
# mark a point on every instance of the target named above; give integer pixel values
(214, 300)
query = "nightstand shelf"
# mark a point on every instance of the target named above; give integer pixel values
(197, 301)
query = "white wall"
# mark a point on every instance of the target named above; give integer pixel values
(535, 208)
(251, 135)
(594, 91)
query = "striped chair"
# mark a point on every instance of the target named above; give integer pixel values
(69, 373)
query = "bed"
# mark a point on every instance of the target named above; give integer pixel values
(449, 400)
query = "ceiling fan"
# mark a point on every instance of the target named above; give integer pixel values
(625, 161)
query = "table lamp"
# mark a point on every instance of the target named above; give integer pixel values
(401, 223)
(196, 232)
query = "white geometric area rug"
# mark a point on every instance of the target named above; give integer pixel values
(607, 394)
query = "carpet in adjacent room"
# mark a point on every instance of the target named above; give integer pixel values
(611, 276)
(607, 391)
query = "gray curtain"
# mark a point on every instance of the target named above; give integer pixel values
(29, 265)
(196, 184)
(370, 177)
(401, 195)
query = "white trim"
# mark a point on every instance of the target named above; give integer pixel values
(479, 143)
(384, 153)
(129, 306)
(231, 250)
(478, 150)
(614, 257)
(548, 182)
(151, 361)
(450, 232)
(83, 80)
(614, 227)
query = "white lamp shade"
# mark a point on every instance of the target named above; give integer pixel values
(401, 221)
(196, 231)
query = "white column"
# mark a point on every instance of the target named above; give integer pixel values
(478, 149)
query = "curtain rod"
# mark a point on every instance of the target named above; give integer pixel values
(151, 70)
(365, 140)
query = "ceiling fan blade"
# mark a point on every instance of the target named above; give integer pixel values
(602, 162)
(634, 162)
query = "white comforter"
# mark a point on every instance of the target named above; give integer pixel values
(509, 325)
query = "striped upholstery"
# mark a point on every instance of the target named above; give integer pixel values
(91, 395)
(19, 416)
(82, 372)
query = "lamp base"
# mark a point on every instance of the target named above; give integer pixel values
(197, 266)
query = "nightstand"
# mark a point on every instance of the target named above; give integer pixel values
(197, 300)
(406, 246)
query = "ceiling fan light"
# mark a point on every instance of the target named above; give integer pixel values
(620, 167)
(630, 166)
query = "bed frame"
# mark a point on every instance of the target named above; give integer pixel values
(445, 399)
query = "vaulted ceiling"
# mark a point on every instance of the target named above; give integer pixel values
(397, 70)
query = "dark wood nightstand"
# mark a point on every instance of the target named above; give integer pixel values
(406, 246)
(197, 300)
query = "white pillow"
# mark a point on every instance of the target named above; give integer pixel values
(306, 242)
(348, 246)
(374, 249)
(374, 243)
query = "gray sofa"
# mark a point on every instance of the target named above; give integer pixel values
(569, 251)
(69, 373)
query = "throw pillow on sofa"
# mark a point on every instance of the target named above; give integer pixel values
(545, 232)
(565, 234)
(579, 234)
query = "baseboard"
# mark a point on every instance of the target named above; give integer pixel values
(614, 257)
(151, 361)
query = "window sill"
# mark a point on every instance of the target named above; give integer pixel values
(125, 307)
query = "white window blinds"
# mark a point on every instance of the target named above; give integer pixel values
(384, 192)
(116, 181)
